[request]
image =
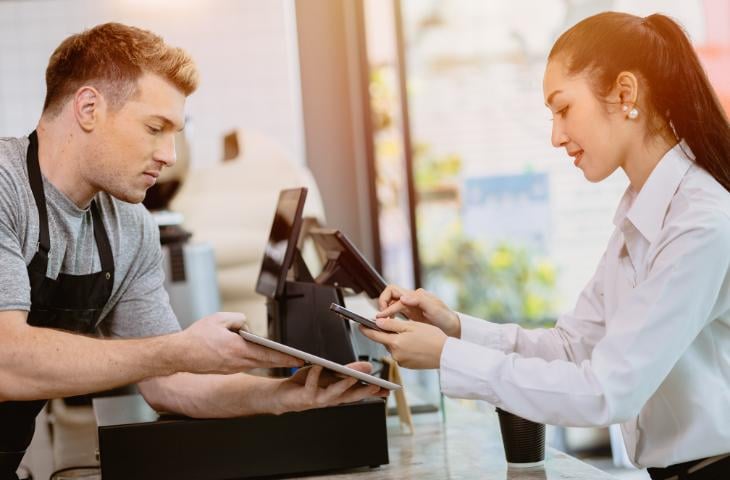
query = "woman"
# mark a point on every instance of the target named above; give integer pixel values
(648, 343)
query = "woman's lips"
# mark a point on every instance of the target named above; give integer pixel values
(577, 157)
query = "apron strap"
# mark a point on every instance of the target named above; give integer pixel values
(36, 185)
(106, 256)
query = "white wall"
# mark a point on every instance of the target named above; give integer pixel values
(245, 49)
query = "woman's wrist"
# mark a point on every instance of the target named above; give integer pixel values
(455, 330)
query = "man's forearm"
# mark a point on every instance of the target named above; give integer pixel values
(212, 396)
(40, 363)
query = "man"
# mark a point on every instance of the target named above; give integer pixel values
(80, 255)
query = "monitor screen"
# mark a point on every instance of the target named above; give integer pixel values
(282, 244)
(345, 266)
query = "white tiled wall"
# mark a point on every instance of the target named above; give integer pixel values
(245, 50)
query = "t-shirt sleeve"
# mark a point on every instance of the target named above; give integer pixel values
(144, 308)
(14, 282)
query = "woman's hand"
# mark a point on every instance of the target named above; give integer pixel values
(412, 344)
(315, 387)
(421, 306)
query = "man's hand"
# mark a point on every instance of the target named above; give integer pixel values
(314, 387)
(412, 344)
(421, 306)
(213, 345)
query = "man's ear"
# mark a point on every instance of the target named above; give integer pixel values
(88, 107)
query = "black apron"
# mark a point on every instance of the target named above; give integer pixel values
(69, 302)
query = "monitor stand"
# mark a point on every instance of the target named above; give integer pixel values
(301, 317)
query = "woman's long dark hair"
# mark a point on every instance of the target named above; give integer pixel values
(659, 52)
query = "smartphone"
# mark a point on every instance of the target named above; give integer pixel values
(343, 312)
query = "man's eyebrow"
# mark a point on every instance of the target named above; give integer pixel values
(550, 97)
(169, 122)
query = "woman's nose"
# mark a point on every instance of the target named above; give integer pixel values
(558, 137)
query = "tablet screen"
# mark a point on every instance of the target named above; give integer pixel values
(315, 360)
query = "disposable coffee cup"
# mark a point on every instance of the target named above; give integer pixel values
(523, 440)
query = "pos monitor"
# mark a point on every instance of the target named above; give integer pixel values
(345, 266)
(282, 243)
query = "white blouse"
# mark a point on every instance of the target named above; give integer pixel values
(648, 343)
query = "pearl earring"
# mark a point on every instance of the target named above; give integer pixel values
(633, 113)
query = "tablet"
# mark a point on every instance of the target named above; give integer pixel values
(315, 360)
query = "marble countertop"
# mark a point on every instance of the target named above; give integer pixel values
(467, 445)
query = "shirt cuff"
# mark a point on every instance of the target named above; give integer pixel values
(467, 370)
(24, 307)
(481, 332)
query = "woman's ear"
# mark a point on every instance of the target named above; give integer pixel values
(87, 107)
(627, 90)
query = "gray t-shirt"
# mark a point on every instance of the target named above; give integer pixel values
(139, 305)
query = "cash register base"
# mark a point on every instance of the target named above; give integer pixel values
(137, 443)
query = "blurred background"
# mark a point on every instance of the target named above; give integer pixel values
(421, 123)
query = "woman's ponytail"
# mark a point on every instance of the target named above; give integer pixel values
(684, 92)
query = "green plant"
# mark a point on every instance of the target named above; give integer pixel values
(504, 283)
(430, 170)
